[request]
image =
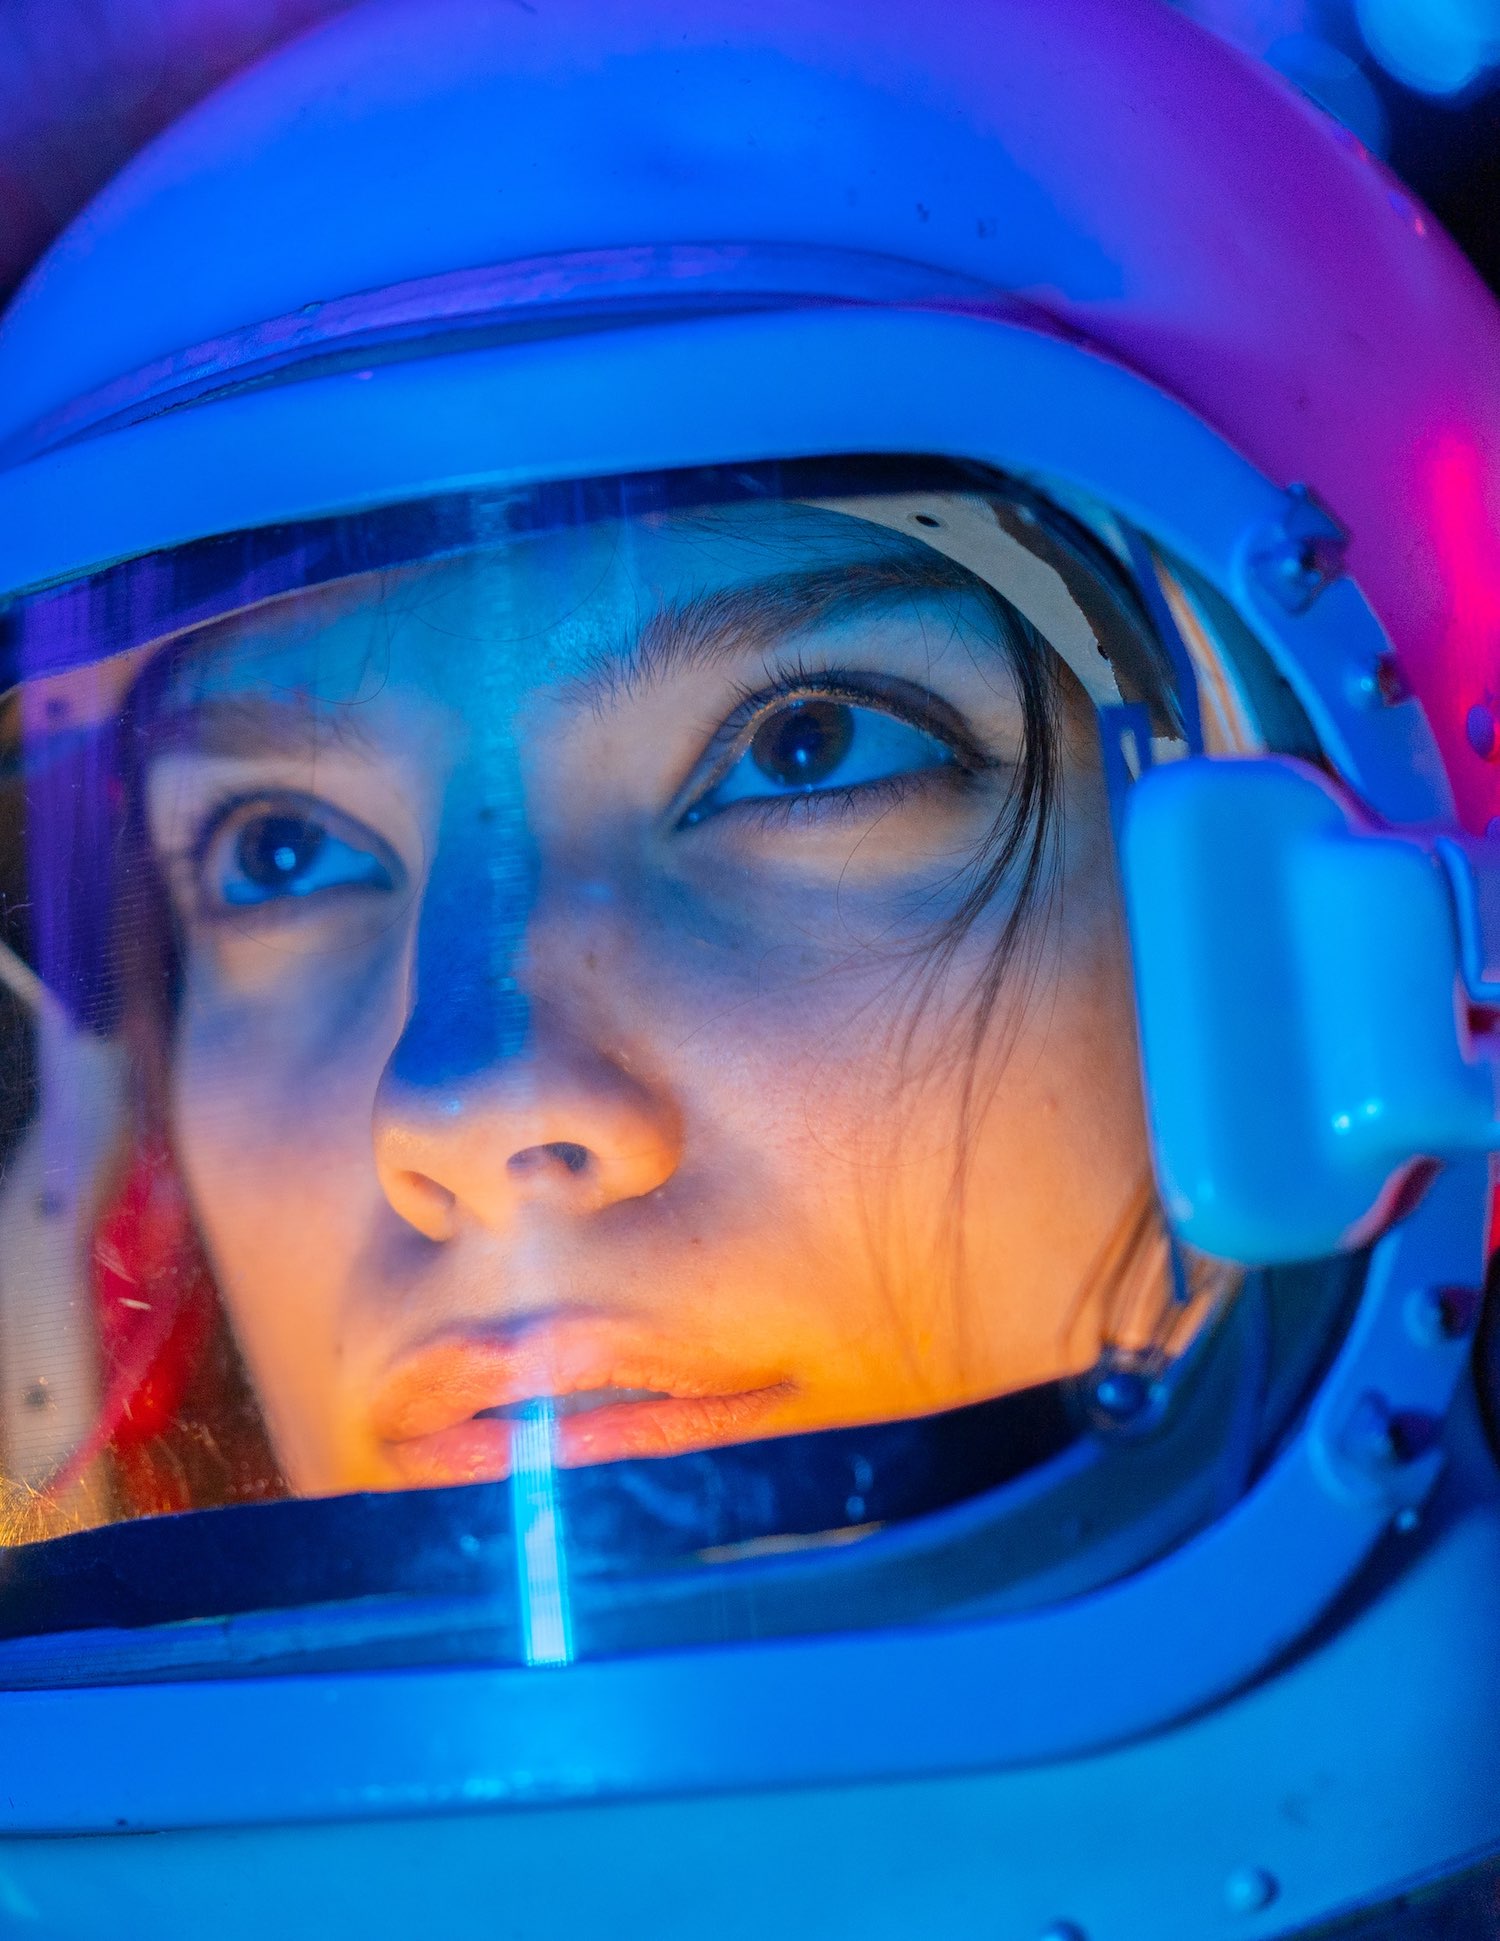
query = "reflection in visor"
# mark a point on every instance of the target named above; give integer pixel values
(647, 983)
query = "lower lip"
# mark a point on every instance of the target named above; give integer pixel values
(480, 1451)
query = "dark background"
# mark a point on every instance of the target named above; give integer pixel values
(83, 83)
(1451, 157)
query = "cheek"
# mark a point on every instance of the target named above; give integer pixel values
(821, 1103)
(1067, 1115)
(1061, 1155)
(781, 1037)
(272, 1092)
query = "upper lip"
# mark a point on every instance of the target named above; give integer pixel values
(453, 1378)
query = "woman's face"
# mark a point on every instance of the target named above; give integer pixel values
(561, 1013)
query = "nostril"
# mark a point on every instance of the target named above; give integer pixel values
(559, 1152)
(422, 1202)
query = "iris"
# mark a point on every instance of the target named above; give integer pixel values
(273, 851)
(804, 745)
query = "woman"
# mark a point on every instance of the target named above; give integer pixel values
(534, 973)
(666, 967)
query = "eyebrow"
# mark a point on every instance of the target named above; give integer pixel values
(255, 727)
(702, 631)
(712, 627)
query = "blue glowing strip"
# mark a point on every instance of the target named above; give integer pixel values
(540, 1566)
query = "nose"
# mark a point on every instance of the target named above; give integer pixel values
(555, 1121)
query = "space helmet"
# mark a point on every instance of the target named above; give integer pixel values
(750, 947)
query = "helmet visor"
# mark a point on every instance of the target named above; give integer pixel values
(617, 996)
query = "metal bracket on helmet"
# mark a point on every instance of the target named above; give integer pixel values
(1305, 984)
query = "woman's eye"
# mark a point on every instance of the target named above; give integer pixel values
(822, 744)
(267, 854)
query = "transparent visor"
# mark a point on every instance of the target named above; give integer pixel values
(593, 1027)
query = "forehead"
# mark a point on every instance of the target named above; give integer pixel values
(540, 611)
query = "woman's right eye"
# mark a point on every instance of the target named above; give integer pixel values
(269, 852)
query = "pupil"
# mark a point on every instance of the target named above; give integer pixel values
(275, 849)
(804, 744)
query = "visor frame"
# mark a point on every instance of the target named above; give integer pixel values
(822, 381)
(816, 382)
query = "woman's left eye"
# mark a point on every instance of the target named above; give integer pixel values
(267, 853)
(820, 744)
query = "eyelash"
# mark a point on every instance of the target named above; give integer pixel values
(755, 706)
(752, 709)
(855, 798)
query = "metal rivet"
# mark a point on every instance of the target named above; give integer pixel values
(1483, 731)
(1363, 686)
(1295, 559)
(1393, 684)
(1377, 684)
(1120, 1396)
(1436, 1315)
(1122, 1393)
(1249, 1889)
(1379, 1437)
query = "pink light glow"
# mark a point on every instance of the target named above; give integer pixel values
(1464, 700)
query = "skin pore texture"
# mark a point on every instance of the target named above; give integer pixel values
(561, 1014)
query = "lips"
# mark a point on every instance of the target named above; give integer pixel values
(449, 1412)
